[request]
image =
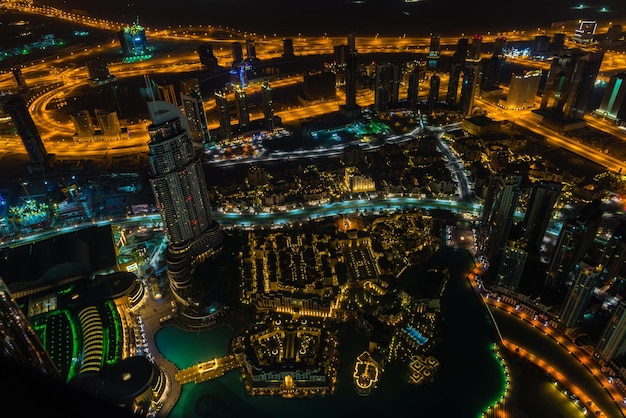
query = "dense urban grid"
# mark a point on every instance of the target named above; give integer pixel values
(289, 189)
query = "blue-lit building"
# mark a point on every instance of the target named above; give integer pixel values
(133, 40)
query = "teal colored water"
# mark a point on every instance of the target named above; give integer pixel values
(470, 376)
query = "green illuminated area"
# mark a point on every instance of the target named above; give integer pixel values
(62, 334)
(136, 58)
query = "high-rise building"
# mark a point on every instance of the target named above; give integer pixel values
(99, 72)
(83, 124)
(251, 50)
(318, 85)
(433, 93)
(207, 57)
(499, 46)
(237, 52)
(541, 45)
(166, 92)
(613, 106)
(15, 106)
(472, 77)
(544, 196)
(19, 343)
(613, 340)
(522, 90)
(181, 195)
(268, 108)
(193, 108)
(477, 42)
(502, 213)
(569, 83)
(574, 241)
(456, 68)
(614, 254)
(133, 40)
(386, 86)
(108, 122)
(288, 48)
(417, 74)
(223, 113)
(241, 105)
(584, 280)
(462, 47)
(435, 42)
(491, 73)
(512, 265)
(351, 106)
(19, 79)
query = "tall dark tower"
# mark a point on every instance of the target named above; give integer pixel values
(207, 57)
(19, 343)
(268, 107)
(585, 277)
(223, 113)
(501, 213)
(569, 83)
(181, 195)
(614, 255)
(462, 47)
(477, 42)
(350, 107)
(387, 86)
(472, 77)
(538, 213)
(434, 49)
(15, 106)
(241, 104)
(237, 52)
(433, 94)
(417, 74)
(19, 79)
(574, 241)
(288, 48)
(453, 84)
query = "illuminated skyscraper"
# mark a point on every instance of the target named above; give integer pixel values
(181, 196)
(584, 281)
(462, 47)
(613, 341)
(193, 107)
(133, 40)
(612, 106)
(15, 106)
(523, 90)
(433, 49)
